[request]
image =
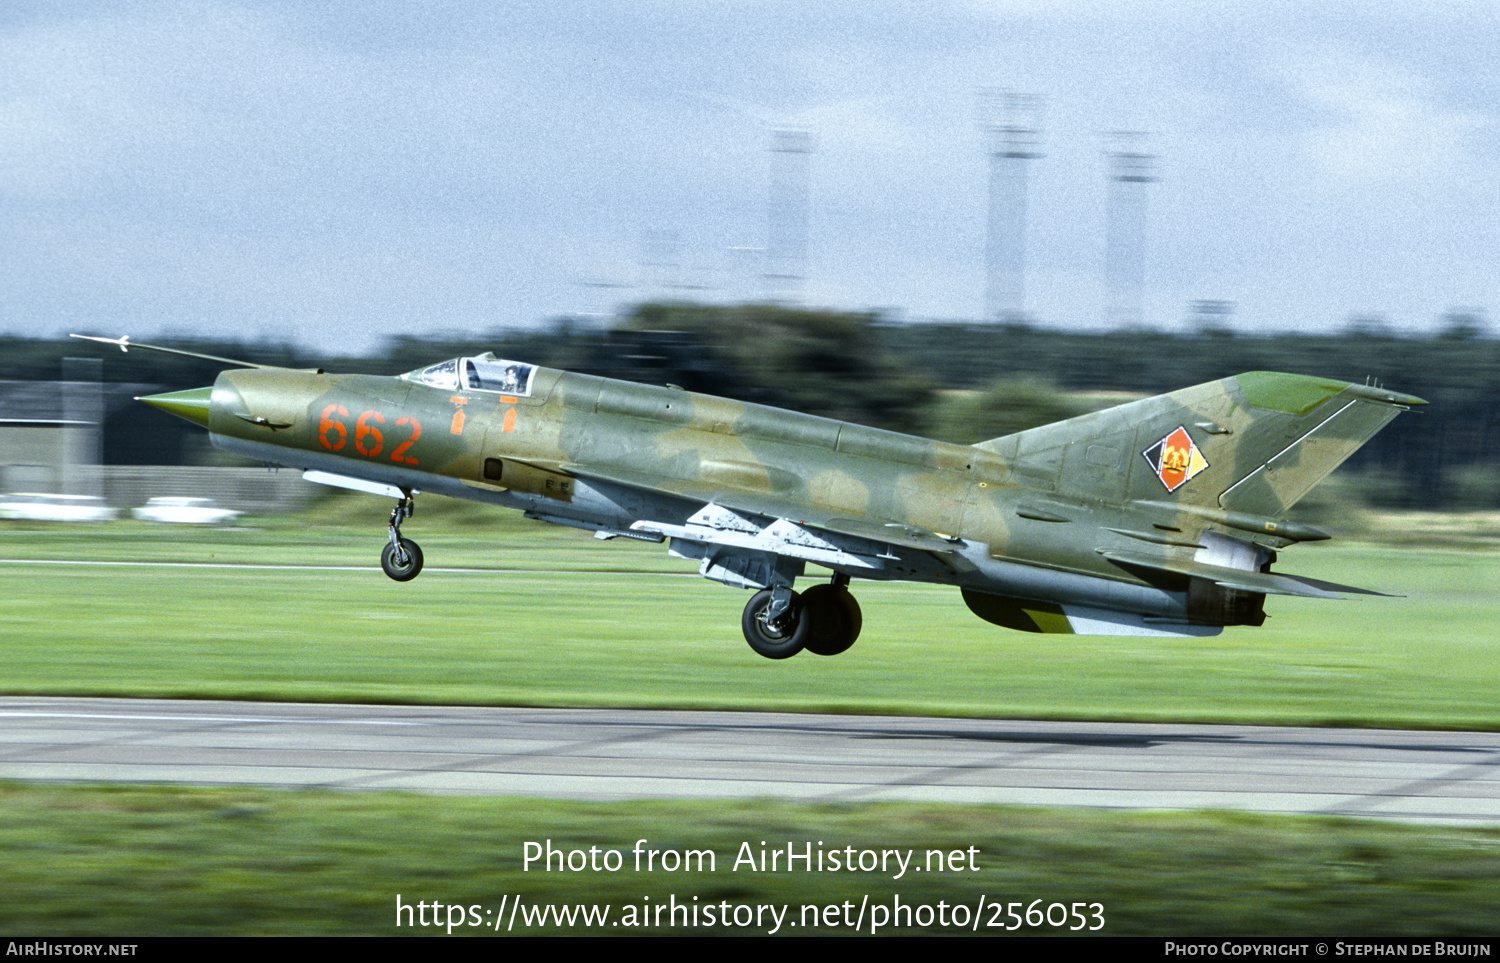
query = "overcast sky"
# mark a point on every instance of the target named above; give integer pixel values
(338, 172)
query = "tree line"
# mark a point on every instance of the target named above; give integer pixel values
(961, 382)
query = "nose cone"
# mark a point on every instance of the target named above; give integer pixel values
(192, 404)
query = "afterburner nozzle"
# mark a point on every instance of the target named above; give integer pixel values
(192, 404)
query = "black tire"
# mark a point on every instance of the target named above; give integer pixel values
(397, 571)
(835, 619)
(769, 642)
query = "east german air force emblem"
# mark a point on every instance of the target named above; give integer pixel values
(1175, 459)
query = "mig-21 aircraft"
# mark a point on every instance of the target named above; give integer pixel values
(1159, 517)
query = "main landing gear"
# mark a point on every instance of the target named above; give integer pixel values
(402, 558)
(825, 620)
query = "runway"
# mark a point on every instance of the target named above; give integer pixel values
(1434, 777)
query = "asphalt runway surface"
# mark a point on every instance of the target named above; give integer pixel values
(1438, 777)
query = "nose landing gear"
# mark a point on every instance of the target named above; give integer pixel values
(402, 558)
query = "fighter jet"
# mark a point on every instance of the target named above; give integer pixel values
(1161, 517)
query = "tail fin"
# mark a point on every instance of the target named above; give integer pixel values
(1253, 443)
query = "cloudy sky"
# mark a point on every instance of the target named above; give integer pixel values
(335, 172)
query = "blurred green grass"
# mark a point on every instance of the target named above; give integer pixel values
(534, 615)
(172, 861)
(542, 616)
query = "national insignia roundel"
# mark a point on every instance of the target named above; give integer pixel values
(1175, 459)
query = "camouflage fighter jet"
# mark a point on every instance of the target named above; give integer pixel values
(1159, 517)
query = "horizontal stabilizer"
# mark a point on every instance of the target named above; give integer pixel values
(1264, 583)
(1336, 587)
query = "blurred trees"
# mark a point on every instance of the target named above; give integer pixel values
(1007, 406)
(959, 382)
(819, 362)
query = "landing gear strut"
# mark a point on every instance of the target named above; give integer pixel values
(825, 620)
(402, 558)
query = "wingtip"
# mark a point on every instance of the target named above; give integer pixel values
(1372, 393)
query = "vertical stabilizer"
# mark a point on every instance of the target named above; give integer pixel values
(1253, 443)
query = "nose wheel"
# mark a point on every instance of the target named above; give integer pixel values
(402, 558)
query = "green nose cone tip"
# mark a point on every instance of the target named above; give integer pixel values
(192, 404)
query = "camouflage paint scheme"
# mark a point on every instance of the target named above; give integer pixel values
(1158, 517)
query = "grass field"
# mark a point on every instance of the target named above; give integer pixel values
(134, 861)
(536, 616)
(541, 616)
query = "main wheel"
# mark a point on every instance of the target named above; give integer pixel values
(782, 640)
(393, 566)
(835, 619)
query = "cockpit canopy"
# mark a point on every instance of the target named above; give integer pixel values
(483, 372)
